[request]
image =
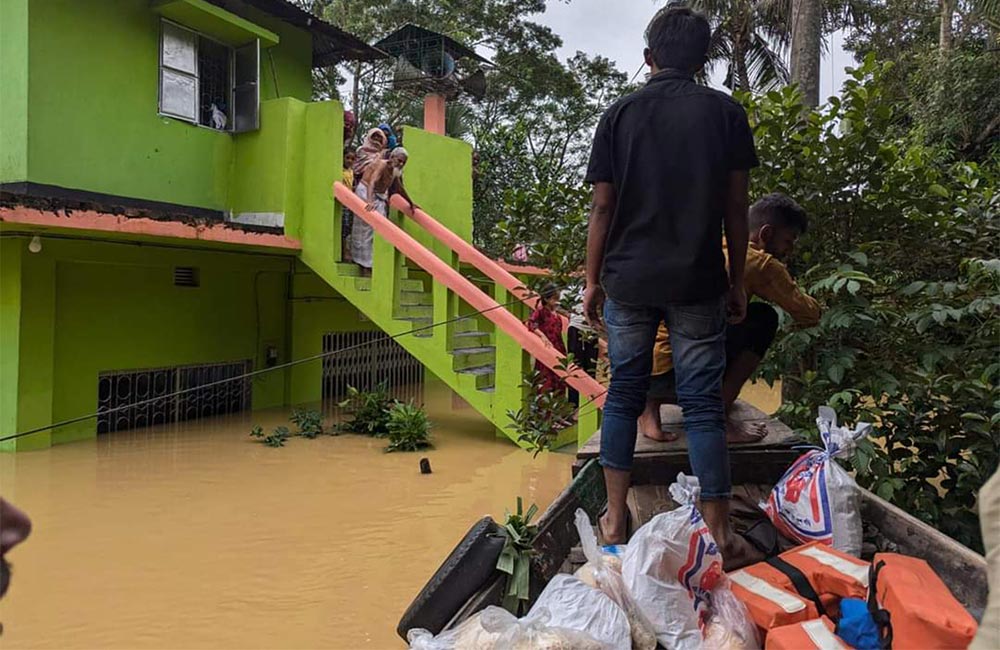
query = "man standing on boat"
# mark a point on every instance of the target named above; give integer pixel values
(670, 165)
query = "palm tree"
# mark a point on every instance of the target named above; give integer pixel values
(749, 37)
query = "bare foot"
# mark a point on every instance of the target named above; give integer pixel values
(738, 433)
(611, 533)
(737, 553)
(650, 426)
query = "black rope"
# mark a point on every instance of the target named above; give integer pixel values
(254, 373)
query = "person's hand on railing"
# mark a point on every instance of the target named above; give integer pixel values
(370, 206)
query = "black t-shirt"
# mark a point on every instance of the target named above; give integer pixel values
(669, 148)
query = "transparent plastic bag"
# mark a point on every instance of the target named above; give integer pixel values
(816, 499)
(670, 566)
(568, 603)
(470, 635)
(603, 571)
(729, 626)
(534, 632)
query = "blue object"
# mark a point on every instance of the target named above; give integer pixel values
(390, 136)
(856, 625)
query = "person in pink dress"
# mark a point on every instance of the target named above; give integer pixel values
(545, 322)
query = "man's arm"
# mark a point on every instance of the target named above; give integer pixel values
(737, 237)
(602, 208)
(400, 189)
(780, 288)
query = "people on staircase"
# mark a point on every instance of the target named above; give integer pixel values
(547, 324)
(371, 150)
(347, 220)
(582, 342)
(669, 165)
(776, 222)
(350, 125)
(381, 179)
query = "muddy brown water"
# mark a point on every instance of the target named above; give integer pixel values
(194, 536)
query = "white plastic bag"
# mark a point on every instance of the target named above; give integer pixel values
(470, 635)
(603, 571)
(729, 626)
(670, 566)
(816, 499)
(533, 632)
(568, 603)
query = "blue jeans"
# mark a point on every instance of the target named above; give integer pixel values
(698, 340)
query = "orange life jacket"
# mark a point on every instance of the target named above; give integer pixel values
(817, 634)
(832, 575)
(923, 612)
(769, 604)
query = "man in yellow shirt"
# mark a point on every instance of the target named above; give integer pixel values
(776, 222)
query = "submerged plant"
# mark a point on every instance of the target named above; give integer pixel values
(544, 414)
(515, 558)
(408, 427)
(370, 411)
(309, 423)
(276, 438)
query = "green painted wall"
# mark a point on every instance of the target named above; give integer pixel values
(13, 90)
(88, 307)
(316, 310)
(438, 176)
(93, 104)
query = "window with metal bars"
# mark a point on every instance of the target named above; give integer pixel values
(205, 82)
(131, 399)
(367, 359)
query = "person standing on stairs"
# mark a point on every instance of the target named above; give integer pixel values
(776, 222)
(381, 179)
(347, 217)
(582, 342)
(670, 165)
(546, 323)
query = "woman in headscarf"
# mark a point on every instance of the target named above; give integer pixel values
(372, 150)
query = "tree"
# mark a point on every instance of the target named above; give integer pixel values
(748, 38)
(901, 250)
(806, 48)
(946, 54)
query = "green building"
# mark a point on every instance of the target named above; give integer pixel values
(167, 221)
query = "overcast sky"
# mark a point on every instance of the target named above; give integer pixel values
(614, 28)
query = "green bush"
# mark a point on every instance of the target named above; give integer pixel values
(369, 411)
(544, 414)
(408, 428)
(309, 423)
(276, 438)
(902, 251)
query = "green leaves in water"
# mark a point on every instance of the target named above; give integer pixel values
(370, 411)
(408, 427)
(515, 558)
(309, 423)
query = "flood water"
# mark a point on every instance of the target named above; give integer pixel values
(195, 536)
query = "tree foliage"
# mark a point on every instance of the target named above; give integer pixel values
(947, 53)
(902, 251)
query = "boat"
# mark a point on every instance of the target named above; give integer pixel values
(467, 582)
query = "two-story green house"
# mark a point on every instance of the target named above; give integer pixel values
(167, 222)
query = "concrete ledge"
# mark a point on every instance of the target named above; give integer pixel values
(110, 223)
